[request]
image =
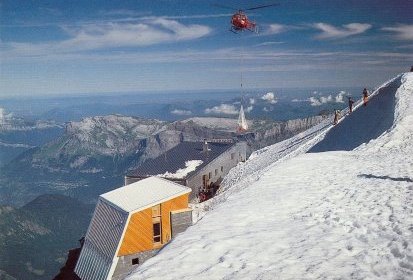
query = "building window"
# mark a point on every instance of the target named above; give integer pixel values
(157, 232)
(156, 211)
(135, 261)
(232, 155)
(216, 172)
(222, 169)
(157, 226)
(210, 175)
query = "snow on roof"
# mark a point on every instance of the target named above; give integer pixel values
(190, 165)
(330, 215)
(144, 193)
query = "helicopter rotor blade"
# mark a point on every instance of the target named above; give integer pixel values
(224, 7)
(262, 6)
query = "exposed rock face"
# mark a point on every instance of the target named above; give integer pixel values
(110, 135)
(93, 145)
(282, 130)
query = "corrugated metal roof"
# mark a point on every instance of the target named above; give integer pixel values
(101, 242)
(175, 158)
(144, 193)
(92, 265)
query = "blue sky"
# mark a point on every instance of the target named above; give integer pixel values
(71, 47)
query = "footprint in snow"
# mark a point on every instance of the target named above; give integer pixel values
(396, 253)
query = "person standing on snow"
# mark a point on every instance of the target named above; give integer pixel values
(336, 116)
(350, 104)
(365, 97)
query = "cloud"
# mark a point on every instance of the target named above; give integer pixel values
(269, 97)
(340, 96)
(299, 100)
(314, 101)
(181, 112)
(4, 117)
(113, 35)
(403, 32)
(116, 35)
(269, 43)
(222, 109)
(122, 12)
(275, 28)
(332, 32)
(199, 16)
(317, 101)
(249, 109)
(322, 100)
(252, 101)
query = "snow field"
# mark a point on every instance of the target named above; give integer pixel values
(288, 215)
(190, 166)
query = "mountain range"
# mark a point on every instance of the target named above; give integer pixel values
(92, 155)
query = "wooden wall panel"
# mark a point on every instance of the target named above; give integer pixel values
(139, 235)
(139, 232)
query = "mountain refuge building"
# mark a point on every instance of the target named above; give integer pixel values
(130, 225)
(200, 166)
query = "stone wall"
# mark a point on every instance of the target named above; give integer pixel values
(180, 221)
(125, 266)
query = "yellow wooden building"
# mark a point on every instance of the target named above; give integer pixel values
(130, 225)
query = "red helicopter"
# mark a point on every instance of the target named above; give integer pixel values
(240, 21)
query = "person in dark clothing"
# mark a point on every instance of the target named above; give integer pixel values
(350, 104)
(365, 97)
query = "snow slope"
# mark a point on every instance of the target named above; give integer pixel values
(363, 125)
(286, 214)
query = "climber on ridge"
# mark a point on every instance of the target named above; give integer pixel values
(365, 97)
(336, 116)
(350, 104)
